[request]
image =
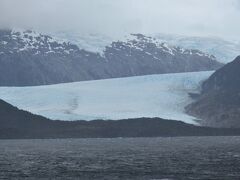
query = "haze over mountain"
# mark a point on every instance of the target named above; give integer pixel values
(114, 18)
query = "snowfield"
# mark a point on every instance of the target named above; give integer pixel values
(162, 96)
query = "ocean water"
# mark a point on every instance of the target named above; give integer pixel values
(122, 158)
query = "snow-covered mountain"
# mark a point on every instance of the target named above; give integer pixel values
(155, 56)
(20, 41)
(225, 51)
(162, 96)
(29, 58)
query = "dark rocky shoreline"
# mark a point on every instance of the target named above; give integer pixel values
(19, 124)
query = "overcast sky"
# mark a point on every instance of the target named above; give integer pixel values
(113, 17)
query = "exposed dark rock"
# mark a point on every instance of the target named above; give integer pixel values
(219, 103)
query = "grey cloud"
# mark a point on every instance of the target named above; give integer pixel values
(188, 17)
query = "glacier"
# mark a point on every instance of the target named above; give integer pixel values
(163, 96)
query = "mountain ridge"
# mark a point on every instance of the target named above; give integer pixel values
(28, 58)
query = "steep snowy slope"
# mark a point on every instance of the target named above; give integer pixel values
(162, 96)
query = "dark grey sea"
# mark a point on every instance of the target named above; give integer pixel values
(168, 158)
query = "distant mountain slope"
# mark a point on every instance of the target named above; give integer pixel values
(225, 51)
(18, 124)
(163, 95)
(148, 56)
(28, 58)
(219, 104)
